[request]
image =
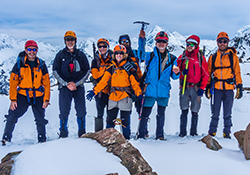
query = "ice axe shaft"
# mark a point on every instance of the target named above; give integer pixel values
(143, 23)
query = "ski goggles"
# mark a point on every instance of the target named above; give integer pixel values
(117, 52)
(29, 49)
(124, 41)
(190, 44)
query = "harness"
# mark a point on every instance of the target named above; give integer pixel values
(200, 58)
(229, 80)
(40, 89)
(142, 83)
(128, 89)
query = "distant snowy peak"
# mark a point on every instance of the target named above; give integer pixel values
(244, 30)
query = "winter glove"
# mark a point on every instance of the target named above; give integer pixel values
(185, 71)
(200, 92)
(140, 98)
(142, 34)
(90, 95)
(207, 91)
(239, 90)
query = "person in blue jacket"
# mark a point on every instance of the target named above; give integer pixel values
(161, 65)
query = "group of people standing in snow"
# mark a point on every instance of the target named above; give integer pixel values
(119, 82)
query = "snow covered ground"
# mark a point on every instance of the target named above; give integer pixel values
(84, 156)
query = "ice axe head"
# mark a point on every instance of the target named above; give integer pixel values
(142, 23)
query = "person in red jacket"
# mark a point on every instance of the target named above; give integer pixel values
(194, 74)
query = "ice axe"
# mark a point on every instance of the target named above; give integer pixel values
(143, 23)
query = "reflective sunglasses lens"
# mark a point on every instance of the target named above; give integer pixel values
(34, 50)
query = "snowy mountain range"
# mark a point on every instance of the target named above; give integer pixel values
(10, 47)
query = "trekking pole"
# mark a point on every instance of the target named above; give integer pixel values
(185, 78)
(142, 102)
(93, 50)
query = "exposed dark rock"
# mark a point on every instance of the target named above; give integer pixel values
(119, 146)
(7, 163)
(211, 143)
(239, 135)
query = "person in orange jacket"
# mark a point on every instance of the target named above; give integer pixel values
(29, 86)
(122, 83)
(224, 71)
(100, 63)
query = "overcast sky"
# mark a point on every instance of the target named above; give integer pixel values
(47, 20)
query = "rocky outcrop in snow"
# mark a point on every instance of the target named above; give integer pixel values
(119, 146)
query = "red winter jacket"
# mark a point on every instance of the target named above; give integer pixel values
(196, 73)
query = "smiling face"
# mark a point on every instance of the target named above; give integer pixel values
(102, 47)
(70, 42)
(222, 44)
(190, 46)
(31, 52)
(119, 55)
(161, 45)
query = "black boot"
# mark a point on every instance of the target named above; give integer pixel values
(98, 124)
(183, 124)
(63, 128)
(194, 122)
(81, 126)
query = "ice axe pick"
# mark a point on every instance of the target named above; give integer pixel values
(143, 23)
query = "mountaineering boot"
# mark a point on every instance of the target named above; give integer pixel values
(98, 124)
(183, 125)
(212, 134)
(41, 138)
(126, 132)
(63, 128)
(194, 121)
(227, 136)
(81, 126)
(5, 139)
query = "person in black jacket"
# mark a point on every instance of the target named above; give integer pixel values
(71, 68)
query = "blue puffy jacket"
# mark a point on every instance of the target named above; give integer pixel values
(159, 83)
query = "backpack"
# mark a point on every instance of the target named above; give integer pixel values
(142, 83)
(41, 88)
(128, 67)
(213, 68)
(230, 59)
(200, 58)
(19, 60)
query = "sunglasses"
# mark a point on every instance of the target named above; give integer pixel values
(190, 44)
(102, 46)
(117, 52)
(70, 39)
(161, 41)
(124, 41)
(29, 49)
(222, 41)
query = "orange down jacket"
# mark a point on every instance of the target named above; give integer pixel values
(98, 68)
(222, 60)
(118, 78)
(25, 77)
